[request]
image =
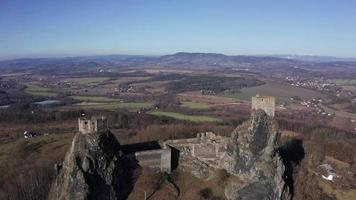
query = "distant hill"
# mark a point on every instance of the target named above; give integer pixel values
(221, 61)
(263, 64)
(80, 62)
(319, 59)
(212, 60)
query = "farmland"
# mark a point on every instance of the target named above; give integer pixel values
(133, 106)
(94, 99)
(121, 80)
(144, 104)
(184, 117)
(39, 90)
(88, 81)
(282, 92)
(195, 105)
(345, 81)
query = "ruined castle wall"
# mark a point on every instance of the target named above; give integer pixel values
(201, 153)
(158, 160)
(95, 124)
(86, 126)
(265, 103)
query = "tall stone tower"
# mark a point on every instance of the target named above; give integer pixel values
(92, 125)
(265, 103)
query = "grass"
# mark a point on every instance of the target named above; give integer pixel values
(340, 195)
(132, 106)
(106, 103)
(179, 116)
(281, 92)
(345, 81)
(54, 140)
(122, 80)
(89, 81)
(191, 186)
(195, 105)
(39, 90)
(43, 144)
(94, 98)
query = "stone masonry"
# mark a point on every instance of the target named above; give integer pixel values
(159, 159)
(265, 103)
(92, 125)
(201, 154)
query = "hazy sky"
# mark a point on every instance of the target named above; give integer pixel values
(155, 27)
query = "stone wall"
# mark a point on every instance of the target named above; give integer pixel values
(157, 160)
(265, 103)
(198, 155)
(92, 125)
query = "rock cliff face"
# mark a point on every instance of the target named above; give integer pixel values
(256, 161)
(92, 169)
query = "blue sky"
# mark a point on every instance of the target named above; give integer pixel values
(156, 27)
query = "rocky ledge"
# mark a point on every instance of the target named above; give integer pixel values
(92, 169)
(256, 161)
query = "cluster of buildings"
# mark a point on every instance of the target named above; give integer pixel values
(314, 105)
(124, 89)
(320, 84)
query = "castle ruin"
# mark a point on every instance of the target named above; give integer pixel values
(265, 103)
(92, 125)
(207, 150)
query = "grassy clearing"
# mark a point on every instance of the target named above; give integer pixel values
(195, 105)
(39, 90)
(345, 81)
(53, 139)
(179, 116)
(88, 81)
(340, 195)
(132, 106)
(94, 99)
(282, 92)
(5, 149)
(122, 80)
(41, 144)
(190, 186)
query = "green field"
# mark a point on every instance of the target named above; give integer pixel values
(94, 98)
(121, 80)
(39, 90)
(281, 92)
(195, 105)
(132, 106)
(179, 116)
(89, 81)
(345, 81)
(101, 102)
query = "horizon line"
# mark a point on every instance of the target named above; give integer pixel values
(74, 55)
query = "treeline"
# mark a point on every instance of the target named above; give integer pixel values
(28, 113)
(24, 175)
(314, 130)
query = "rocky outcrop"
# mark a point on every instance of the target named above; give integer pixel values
(92, 169)
(256, 161)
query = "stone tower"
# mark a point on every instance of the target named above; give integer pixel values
(265, 103)
(92, 125)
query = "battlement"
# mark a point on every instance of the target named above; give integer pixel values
(92, 125)
(265, 103)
